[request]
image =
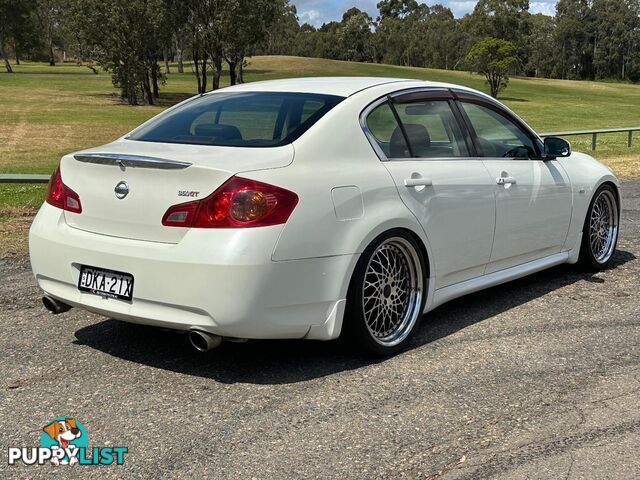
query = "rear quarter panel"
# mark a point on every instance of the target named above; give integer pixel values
(335, 153)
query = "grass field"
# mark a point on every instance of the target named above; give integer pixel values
(46, 112)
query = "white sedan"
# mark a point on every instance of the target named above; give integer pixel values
(310, 208)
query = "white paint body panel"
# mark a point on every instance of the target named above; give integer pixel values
(532, 215)
(291, 280)
(457, 213)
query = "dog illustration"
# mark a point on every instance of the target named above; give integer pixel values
(63, 432)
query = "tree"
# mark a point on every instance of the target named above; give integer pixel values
(443, 38)
(542, 54)
(615, 26)
(401, 32)
(495, 59)
(281, 36)
(50, 18)
(16, 26)
(400, 9)
(125, 37)
(574, 39)
(246, 24)
(354, 36)
(505, 19)
(306, 42)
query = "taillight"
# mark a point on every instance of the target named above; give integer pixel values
(61, 196)
(238, 203)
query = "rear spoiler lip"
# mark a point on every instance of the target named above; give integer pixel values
(124, 160)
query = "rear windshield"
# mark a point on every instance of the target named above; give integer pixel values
(252, 119)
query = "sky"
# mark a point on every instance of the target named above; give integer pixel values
(317, 12)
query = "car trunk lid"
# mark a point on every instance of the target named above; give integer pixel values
(126, 187)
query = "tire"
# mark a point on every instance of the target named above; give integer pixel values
(386, 295)
(600, 230)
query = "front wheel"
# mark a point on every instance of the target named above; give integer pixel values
(600, 232)
(387, 294)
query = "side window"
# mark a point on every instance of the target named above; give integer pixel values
(432, 129)
(497, 135)
(384, 127)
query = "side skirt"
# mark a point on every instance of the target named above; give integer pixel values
(445, 294)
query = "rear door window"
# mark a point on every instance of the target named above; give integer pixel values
(251, 119)
(432, 129)
(384, 127)
(427, 129)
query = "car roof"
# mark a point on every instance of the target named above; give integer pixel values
(341, 86)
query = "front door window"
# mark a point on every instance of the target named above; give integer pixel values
(496, 135)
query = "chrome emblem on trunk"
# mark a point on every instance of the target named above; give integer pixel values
(122, 190)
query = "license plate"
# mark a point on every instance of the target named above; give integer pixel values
(106, 283)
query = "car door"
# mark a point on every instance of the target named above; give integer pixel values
(533, 196)
(429, 155)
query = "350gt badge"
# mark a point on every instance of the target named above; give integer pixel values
(188, 193)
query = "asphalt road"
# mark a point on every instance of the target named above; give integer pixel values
(539, 378)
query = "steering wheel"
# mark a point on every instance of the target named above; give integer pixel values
(515, 152)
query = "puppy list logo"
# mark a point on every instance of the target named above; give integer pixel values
(64, 441)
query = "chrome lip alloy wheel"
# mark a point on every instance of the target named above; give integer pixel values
(603, 226)
(392, 291)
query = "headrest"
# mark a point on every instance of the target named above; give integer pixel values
(218, 131)
(418, 138)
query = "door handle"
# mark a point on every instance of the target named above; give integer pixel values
(506, 181)
(417, 182)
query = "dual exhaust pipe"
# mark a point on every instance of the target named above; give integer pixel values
(200, 340)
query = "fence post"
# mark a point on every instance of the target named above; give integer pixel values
(630, 138)
(593, 141)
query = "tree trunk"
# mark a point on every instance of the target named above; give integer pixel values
(130, 91)
(154, 81)
(196, 62)
(240, 71)
(232, 72)
(147, 88)
(7, 65)
(216, 60)
(179, 50)
(204, 73)
(180, 63)
(15, 49)
(166, 61)
(494, 83)
(52, 58)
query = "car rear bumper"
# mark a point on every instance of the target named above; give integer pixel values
(219, 280)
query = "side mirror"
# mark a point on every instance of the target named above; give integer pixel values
(555, 147)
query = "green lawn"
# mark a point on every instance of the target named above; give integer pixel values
(46, 111)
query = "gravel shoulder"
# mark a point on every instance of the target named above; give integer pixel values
(538, 378)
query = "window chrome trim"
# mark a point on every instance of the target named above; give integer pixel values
(124, 160)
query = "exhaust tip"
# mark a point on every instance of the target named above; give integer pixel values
(54, 306)
(203, 341)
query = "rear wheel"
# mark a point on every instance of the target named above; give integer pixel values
(387, 294)
(600, 232)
